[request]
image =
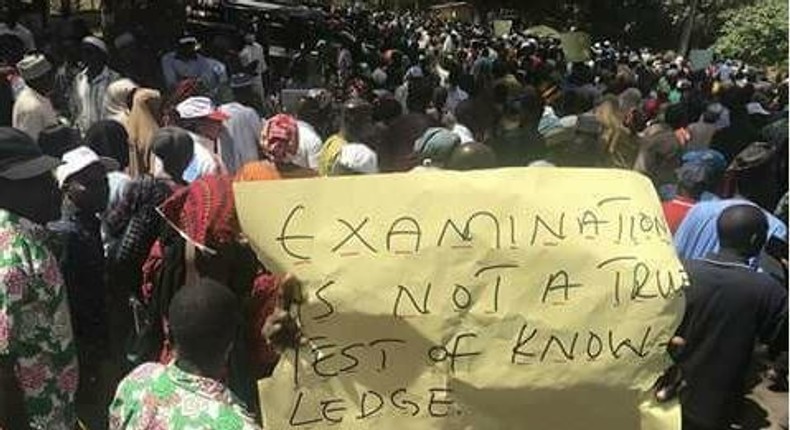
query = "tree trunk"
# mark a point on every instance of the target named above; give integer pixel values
(685, 38)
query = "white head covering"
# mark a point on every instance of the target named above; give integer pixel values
(33, 66)
(75, 161)
(96, 42)
(116, 103)
(358, 158)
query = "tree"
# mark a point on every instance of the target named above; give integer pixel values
(756, 33)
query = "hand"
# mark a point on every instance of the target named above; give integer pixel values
(671, 382)
(282, 328)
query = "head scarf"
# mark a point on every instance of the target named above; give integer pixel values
(109, 139)
(204, 212)
(358, 158)
(280, 138)
(116, 104)
(436, 144)
(141, 125)
(329, 153)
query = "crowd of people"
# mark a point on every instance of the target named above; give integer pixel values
(130, 299)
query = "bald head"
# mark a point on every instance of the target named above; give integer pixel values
(742, 228)
(472, 156)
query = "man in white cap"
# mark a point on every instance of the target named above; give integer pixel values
(206, 125)
(33, 111)
(82, 178)
(90, 85)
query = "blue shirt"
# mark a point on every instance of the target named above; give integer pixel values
(696, 236)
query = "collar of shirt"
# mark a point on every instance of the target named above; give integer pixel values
(103, 75)
(683, 200)
(200, 385)
(728, 259)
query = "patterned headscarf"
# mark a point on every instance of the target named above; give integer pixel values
(280, 138)
(204, 212)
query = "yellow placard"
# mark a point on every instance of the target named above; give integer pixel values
(502, 27)
(529, 298)
(576, 46)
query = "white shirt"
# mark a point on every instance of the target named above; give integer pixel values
(240, 144)
(20, 31)
(253, 52)
(89, 97)
(454, 97)
(310, 144)
(33, 113)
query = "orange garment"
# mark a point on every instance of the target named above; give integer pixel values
(266, 170)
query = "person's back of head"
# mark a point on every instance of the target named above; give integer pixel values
(575, 102)
(357, 116)
(694, 179)
(108, 138)
(420, 93)
(175, 148)
(203, 321)
(712, 113)
(742, 228)
(309, 111)
(676, 116)
(529, 106)
(471, 156)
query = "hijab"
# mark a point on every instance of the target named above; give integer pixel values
(108, 138)
(280, 138)
(116, 104)
(141, 126)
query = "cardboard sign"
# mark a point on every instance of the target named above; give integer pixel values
(500, 299)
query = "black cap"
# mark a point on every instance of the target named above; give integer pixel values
(21, 158)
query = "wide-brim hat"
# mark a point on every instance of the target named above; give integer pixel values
(21, 158)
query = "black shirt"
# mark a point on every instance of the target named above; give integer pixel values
(728, 308)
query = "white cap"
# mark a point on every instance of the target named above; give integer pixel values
(75, 161)
(755, 108)
(33, 66)
(96, 43)
(198, 107)
(358, 158)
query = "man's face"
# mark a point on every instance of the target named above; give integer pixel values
(88, 189)
(44, 84)
(92, 57)
(187, 51)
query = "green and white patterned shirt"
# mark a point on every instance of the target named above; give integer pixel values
(35, 325)
(163, 397)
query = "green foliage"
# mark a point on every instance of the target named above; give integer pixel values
(756, 33)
